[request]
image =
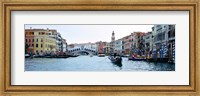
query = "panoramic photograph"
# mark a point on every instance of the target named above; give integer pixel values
(99, 47)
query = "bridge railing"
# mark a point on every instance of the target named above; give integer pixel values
(81, 49)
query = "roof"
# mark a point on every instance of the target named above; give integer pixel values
(52, 30)
(34, 30)
(140, 33)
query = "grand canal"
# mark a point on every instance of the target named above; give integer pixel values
(95, 63)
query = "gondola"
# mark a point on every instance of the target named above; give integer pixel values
(115, 60)
(73, 55)
(138, 59)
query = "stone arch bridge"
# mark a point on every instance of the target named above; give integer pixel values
(83, 51)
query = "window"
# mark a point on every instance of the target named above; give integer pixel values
(26, 40)
(33, 40)
(36, 40)
(41, 40)
(29, 40)
(41, 45)
(36, 45)
(32, 45)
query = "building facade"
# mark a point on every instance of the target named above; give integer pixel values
(101, 47)
(42, 41)
(148, 38)
(107, 50)
(127, 42)
(164, 36)
(119, 46)
(64, 45)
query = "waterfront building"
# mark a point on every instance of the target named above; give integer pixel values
(29, 42)
(171, 41)
(141, 42)
(57, 36)
(134, 44)
(161, 35)
(44, 41)
(138, 42)
(127, 42)
(107, 50)
(101, 46)
(164, 35)
(119, 46)
(39, 41)
(148, 38)
(64, 45)
(58, 42)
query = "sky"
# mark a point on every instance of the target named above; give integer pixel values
(92, 33)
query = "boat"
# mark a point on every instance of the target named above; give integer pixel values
(91, 55)
(138, 59)
(27, 55)
(101, 55)
(115, 60)
(130, 58)
(72, 55)
(37, 56)
(61, 57)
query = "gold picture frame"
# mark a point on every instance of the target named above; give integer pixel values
(123, 5)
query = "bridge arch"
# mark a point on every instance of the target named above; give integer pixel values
(82, 50)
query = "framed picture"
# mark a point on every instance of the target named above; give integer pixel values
(100, 47)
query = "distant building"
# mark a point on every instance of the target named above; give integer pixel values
(91, 46)
(70, 46)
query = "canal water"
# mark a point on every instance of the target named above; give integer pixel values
(95, 63)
